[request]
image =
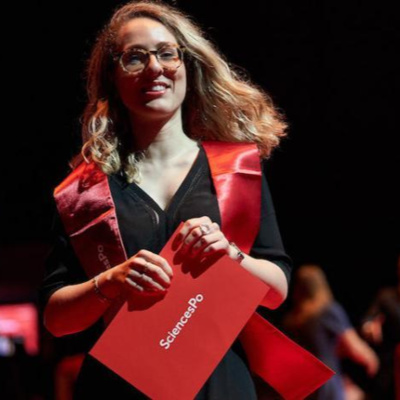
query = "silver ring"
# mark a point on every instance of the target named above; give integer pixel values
(205, 229)
(144, 269)
(146, 266)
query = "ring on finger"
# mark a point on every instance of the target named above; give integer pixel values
(205, 229)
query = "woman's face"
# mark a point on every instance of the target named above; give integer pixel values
(154, 92)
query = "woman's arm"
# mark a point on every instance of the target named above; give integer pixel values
(200, 237)
(352, 346)
(271, 274)
(74, 308)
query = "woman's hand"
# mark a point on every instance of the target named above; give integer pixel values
(145, 273)
(74, 308)
(200, 237)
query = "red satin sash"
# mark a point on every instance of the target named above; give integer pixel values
(88, 213)
(236, 173)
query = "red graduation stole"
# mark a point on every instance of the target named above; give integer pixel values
(88, 213)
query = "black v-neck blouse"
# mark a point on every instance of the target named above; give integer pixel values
(144, 225)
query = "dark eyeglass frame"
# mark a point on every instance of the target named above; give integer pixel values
(119, 56)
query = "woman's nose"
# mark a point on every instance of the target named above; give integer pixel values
(153, 66)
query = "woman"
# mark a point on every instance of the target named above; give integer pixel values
(158, 92)
(321, 325)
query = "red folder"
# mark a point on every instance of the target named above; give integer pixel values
(168, 347)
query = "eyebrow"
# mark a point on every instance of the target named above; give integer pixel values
(126, 40)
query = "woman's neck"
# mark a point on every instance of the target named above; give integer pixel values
(161, 140)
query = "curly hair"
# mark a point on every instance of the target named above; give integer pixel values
(220, 105)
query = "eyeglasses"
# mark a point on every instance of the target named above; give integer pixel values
(134, 60)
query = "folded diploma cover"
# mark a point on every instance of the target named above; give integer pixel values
(168, 348)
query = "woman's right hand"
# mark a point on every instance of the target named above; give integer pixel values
(144, 273)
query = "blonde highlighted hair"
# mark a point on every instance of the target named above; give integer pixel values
(220, 104)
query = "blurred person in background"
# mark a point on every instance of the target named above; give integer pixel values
(320, 324)
(381, 327)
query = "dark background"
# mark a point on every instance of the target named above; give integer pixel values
(331, 67)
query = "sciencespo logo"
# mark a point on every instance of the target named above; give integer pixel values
(193, 304)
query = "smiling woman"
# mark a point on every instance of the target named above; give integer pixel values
(164, 113)
(155, 88)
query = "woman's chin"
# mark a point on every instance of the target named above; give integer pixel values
(152, 111)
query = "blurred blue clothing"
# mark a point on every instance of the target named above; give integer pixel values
(320, 335)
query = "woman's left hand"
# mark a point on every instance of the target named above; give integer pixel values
(200, 237)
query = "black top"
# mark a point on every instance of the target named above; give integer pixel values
(144, 225)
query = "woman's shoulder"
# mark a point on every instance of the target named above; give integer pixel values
(243, 155)
(82, 176)
(238, 145)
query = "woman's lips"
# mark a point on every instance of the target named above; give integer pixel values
(149, 94)
(155, 89)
